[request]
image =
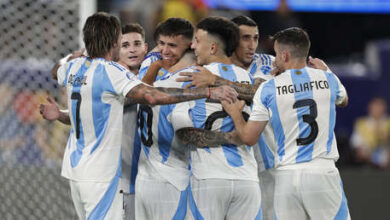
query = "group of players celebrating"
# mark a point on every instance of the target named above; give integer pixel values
(202, 126)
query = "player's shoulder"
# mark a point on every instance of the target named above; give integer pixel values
(239, 69)
(114, 67)
(78, 61)
(150, 58)
(263, 59)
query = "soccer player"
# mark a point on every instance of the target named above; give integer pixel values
(173, 37)
(260, 67)
(163, 176)
(224, 184)
(133, 47)
(299, 104)
(97, 88)
(132, 52)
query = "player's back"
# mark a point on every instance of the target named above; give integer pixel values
(96, 90)
(301, 104)
(227, 161)
(162, 151)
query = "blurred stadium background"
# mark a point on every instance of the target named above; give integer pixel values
(352, 36)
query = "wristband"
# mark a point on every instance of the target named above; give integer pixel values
(208, 97)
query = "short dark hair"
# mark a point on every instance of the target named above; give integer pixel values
(101, 32)
(224, 29)
(174, 27)
(133, 27)
(244, 20)
(296, 38)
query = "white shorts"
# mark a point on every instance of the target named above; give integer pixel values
(315, 193)
(156, 199)
(97, 200)
(219, 199)
(129, 206)
(267, 185)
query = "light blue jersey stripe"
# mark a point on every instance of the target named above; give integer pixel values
(334, 88)
(194, 209)
(230, 151)
(253, 69)
(266, 154)
(67, 74)
(343, 212)
(100, 110)
(268, 98)
(76, 155)
(181, 210)
(259, 215)
(135, 159)
(102, 208)
(300, 77)
(165, 131)
(200, 111)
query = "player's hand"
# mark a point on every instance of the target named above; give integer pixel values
(49, 111)
(202, 78)
(223, 93)
(165, 63)
(76, 54)
(317, 63)
(233, 108)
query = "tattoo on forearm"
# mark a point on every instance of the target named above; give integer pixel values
(158, 95)
(204, 138)
(245, 91)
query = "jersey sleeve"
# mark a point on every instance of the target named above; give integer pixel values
(62, 73)
(341, 92)
(122, 80)
(264, 67)
(259, 109)
(149, 59)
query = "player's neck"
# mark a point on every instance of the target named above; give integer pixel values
(219, 59)
(238, 62)
(295, 64)
(133, 69)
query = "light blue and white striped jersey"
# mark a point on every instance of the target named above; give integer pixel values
(96, 89)
(131, 148)
(162, 152)
(300, 105)
(148, 60)
(261, 66)
(227, 161)
(263, 149)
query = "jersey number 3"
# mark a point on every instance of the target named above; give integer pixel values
(309, 119)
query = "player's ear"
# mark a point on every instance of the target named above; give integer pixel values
(285, 56)
(146, 47)
(214, 48)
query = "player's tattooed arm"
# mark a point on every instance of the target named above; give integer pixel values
(144, 94)
(205, 78)
(153, 70)
(205, 138)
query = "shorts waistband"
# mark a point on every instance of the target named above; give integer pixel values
(318, 163)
